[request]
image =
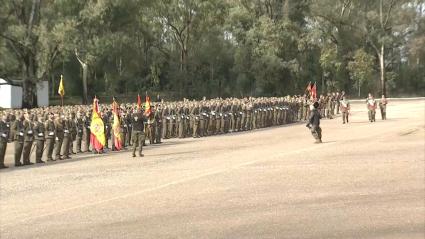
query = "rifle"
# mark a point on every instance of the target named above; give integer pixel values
(32, 148)
(34, 145)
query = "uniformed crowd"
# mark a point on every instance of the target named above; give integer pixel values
(55, 133)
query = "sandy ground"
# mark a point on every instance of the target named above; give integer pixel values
(365, 181)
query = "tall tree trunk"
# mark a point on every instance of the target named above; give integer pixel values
(28, 83)
(84, 65)
(359, 85)
(382, 68)
(52, 92)
(182, 79)
(85, 98)
(286, 10)
(29, 68)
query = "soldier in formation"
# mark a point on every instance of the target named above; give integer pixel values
(57, 132)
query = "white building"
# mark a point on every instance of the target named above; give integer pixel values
(11, 94)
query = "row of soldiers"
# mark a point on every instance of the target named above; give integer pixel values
(206, 118)
(59, 132)
(329, 105)
(54, 134)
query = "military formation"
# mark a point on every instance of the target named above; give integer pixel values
(56, 133)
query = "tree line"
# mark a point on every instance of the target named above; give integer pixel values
(214, 48)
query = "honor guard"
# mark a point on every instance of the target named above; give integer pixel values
(383, 107)
(39, 132)
(344, 106)
(371, 107)
(50, 136)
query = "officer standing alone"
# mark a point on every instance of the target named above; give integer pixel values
(138, 136)
(314, 123)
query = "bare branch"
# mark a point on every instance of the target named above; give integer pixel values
(388, 14)
(373, 45)
(346, 5)
(32, 16)
(79, 59)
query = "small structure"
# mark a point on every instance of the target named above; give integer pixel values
(43, 93)
(11, 94)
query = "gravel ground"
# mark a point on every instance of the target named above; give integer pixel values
(365, 181)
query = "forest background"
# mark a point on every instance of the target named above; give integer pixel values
(213, 48)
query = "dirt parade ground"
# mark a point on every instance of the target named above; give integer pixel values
(365, 181)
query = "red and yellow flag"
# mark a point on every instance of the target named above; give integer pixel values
(308, 89)
(97, 136)
(148, 106)
(116, 126)
(139, 102)
(314, 91)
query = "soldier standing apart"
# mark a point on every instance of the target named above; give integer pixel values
(4, 136)
(344, 106)
(28, 139)
(138, 135)
(383, 107)
(371, 106)
(50, 137)
(39, 138)
(314, 123)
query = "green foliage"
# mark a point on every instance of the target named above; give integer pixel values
(213, 48)
(361, 68)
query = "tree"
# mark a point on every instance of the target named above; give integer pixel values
(85, 69)
(361, 68)
(35, 33)
(195, 48)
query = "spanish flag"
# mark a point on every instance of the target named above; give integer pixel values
(116, 126)
(97, 137)
(61, 90)
(308, 89)
(148, 106)
(139, 102)
(314, 91)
